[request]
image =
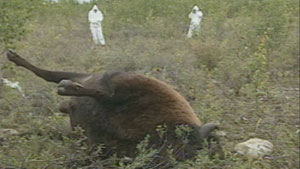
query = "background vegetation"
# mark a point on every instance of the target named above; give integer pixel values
(242, 71)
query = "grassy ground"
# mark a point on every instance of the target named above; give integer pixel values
(242, 71)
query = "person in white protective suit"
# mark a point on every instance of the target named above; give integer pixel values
(95, 18)
(56, 1)
(195, 25)
(79, 1)
(84, 1)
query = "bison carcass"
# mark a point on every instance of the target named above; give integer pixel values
(120, 108)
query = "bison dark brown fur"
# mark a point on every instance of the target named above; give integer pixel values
(120, 108)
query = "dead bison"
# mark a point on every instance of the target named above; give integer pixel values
(120, 108)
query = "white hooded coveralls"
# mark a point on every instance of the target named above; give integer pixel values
(195, 25)
(83, 1)
(95, 18)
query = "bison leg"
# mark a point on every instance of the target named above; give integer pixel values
(50, 76)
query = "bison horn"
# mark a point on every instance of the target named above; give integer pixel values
(206, 130)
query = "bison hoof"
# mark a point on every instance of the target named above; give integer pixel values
(11, 55)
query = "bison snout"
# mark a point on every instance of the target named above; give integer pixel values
(68, 87)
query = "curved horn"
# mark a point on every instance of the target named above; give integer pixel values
(206, 129)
